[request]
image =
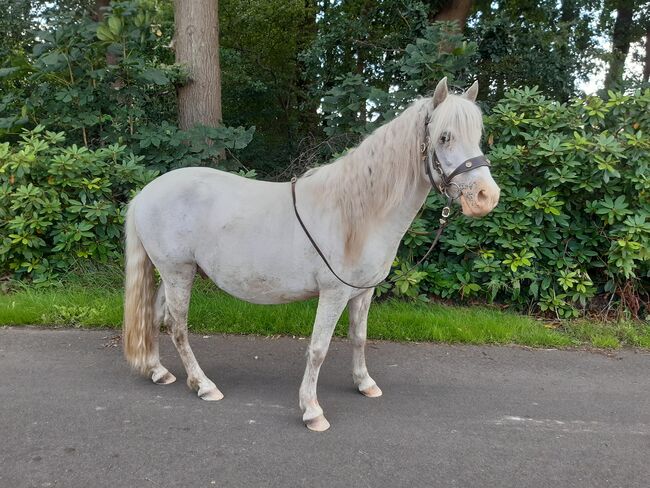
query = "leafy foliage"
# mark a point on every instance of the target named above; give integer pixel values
(60, 204)
(355, 105)
(574, 216)
(92, 79)
(263, 82)
(546, 43)
(111, 82)
(163, 146)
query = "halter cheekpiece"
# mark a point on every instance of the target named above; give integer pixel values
(431, 163)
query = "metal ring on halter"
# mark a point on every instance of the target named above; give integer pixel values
(452, 196)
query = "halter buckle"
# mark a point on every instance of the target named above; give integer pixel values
(445, 212)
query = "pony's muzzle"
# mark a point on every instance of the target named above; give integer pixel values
(481, 201)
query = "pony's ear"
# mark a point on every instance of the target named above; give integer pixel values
(471, 92)
(441, 92)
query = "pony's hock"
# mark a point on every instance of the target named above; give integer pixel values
(245, 236)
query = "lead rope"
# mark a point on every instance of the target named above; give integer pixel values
(443, 223)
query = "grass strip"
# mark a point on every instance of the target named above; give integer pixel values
(76, 303)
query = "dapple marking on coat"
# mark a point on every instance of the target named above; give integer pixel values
(244, 236)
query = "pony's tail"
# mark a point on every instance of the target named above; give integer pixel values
(138, 334)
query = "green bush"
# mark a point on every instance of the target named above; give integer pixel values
(572, 225)
(62, 204)
(573, 221)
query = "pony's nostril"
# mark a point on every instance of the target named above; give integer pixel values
(482, 198)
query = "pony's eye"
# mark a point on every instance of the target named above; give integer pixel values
(445, 137)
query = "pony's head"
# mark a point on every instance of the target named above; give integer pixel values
(454, 131)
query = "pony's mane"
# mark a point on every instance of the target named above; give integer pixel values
(375, 176)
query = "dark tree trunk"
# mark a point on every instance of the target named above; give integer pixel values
(569, 12)
(484, 82)
(308, 118)
(360, 57)
(646, 65)
(621, 38)
(97, 13)
(363, 111)
(196, 40)
(453, 10)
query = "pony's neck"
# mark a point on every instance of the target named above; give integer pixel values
(379, 182)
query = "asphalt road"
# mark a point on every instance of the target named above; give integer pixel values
(73, 415)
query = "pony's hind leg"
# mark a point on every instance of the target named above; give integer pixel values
(159, 374)
(178, 286)
(358, 310)
(330, 306)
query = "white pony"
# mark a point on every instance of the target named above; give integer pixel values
(244, 235)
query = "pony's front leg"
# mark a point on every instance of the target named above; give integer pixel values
(330, 307)
(358, 309)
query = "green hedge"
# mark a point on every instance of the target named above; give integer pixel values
(574, 217)
(61, 204)
(573, 222)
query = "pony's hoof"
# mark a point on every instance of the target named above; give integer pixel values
(212, 395)
(164, 378)
(372, 392)
(318, 424)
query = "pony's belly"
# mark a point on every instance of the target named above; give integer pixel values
(262, 288)
(260, 292)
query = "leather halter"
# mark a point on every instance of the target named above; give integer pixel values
(431, 161)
